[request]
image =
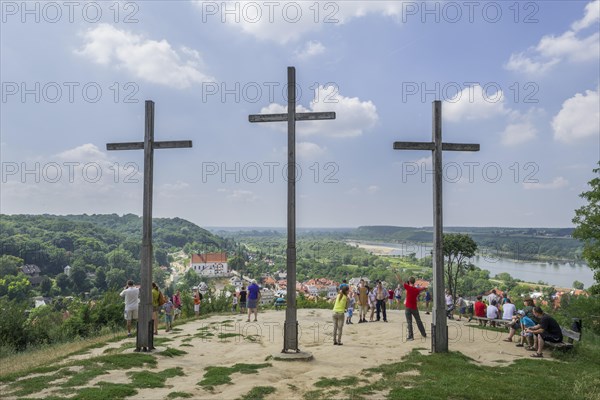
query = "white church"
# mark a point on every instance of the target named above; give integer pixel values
(210, 264)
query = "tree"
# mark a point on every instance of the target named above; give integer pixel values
(63, 282)
(45, 286)
(16, 287)
(9, 265)
(457, 247)
(100, 281)
(578, 285)
(115, 278)
(78, 278)
(587, 221)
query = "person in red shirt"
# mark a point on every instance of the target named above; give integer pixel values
(480, 309)
(411, 309)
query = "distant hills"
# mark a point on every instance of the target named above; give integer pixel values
(53, 241)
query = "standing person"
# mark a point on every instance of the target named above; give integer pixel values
(351, 302)
(242, 298)
(155, 305)
(372, 302)
(449, 305)
(344, 283)
(169, 308)
(234, 302)
(381, 295)
(253, 297)
(411, 310)
(176, 304)
(390, 298)
(197, 301)
(398, 295)
(131, 295)
(547, 330)
(461, 304)
(492, 297)
(427, 301)
(339, 309)
(363, 301)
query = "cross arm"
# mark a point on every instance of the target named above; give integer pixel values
(313, 116)
(169, 144)
(431, 146)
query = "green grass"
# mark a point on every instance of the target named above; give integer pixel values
(170, 352)
(215, 376)
(258, 393)
(174, 395)
(37, 383)
(147, 379)
(454, 375)
(106, 390)
(84, 376)
(228, 335)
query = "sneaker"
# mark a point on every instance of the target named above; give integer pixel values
(409, 339)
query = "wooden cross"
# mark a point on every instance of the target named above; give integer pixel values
(145, 331)
(439, 328)
(290, 338)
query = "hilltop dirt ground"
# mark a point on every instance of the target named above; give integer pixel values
(365, 345)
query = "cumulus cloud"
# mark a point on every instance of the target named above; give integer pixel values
(311, 49)
(571, 46)
(474, 103)
(151, 60)
(353, 116)
(287, 21)
(309, 150)
(557, 183)
(579, 118)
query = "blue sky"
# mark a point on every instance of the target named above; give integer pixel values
(520, 78)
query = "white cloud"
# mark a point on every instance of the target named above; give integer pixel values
(579, 118)
(287, 21)
(244, 196)
(474, 103)
(519, 132)
(373, 189)
(558, 183)
(151, 60)
(353, 116)
(566, 47)
(309, 150)
(311, 49)
(592, 15)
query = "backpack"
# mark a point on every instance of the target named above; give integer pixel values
(161, 299)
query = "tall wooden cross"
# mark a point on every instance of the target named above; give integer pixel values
(290, 338)
(439, 334)
(145, 331)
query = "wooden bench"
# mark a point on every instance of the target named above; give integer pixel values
(569, 335)
(496, 320)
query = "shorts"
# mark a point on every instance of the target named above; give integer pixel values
(550, 338)
(196, 307)
(168, 318)
(463, 310)
(131, 314)
(252, 303)
(242, 304)
(398, 297)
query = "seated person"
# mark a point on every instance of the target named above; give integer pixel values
(492, 312)
(525, 322)
(480, 308)
(547, 330)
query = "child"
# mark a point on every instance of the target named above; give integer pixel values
(168, 307)
(351, 301)
(234, 302)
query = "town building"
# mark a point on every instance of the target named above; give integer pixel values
(210, 264)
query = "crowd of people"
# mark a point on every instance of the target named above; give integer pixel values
(531, 325)
(372, 302)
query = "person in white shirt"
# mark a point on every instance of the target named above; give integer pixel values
(509, 310)
(131, 295)
(449, 304)
(492, 312)
(492, 297)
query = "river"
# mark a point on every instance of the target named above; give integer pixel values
(554, 273)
